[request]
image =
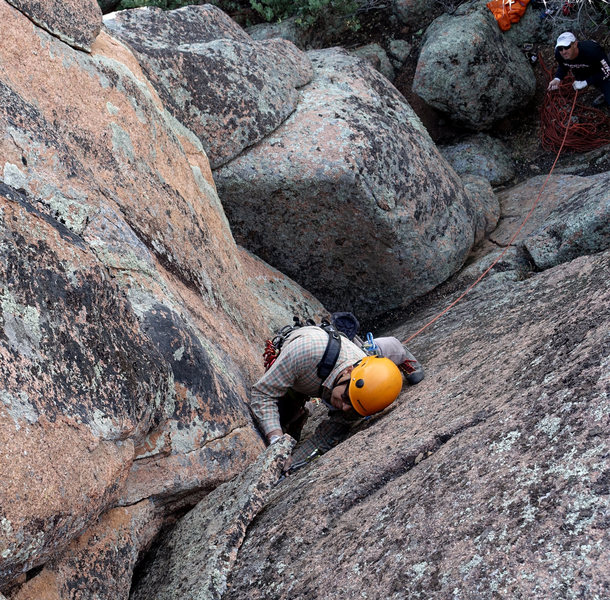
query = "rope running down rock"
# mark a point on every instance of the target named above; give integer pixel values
(568, 128)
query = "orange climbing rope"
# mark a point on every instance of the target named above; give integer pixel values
(568, 126)
(589, 128)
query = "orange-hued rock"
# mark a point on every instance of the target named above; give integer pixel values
(195, 558)
(76, 22)
(213, 77)
(132, 324)
(100, 562)
(81, 384)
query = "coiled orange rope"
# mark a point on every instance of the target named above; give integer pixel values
(564, 123)
(589, 127)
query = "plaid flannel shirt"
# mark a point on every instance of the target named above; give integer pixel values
(335, 429)
(296, 368)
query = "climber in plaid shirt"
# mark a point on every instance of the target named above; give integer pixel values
(278, 398)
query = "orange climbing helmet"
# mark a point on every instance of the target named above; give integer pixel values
(375, 383)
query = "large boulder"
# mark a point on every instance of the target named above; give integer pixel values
(468, 69)
(533, 26)
(350, 197)
(481, 155)
(132, 324)
(227, 88)
(76, 22)
(81, 384)
(571, 218)
(487, 480)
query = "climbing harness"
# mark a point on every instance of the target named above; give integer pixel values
(327, 363)
(567, 125)
(343, 324)
(273, 346)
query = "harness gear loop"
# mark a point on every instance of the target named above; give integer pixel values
(269, 354)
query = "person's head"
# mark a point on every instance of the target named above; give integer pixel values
(367, 387)
(567, 44)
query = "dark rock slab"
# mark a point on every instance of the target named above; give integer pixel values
(483, 156)
(195, 558)
(489, 479)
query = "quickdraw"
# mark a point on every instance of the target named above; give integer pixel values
(269, 355)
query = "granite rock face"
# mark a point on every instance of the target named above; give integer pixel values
(99, 564)
(214, 78)
(458, 70)
(132, 324)
(488, 479)
(81, 383)
(349, 196)
(75, 22)
(571, 218)
(486, 201)
(196, 557)
(483, 156)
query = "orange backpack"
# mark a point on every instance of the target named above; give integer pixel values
(507, 12)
